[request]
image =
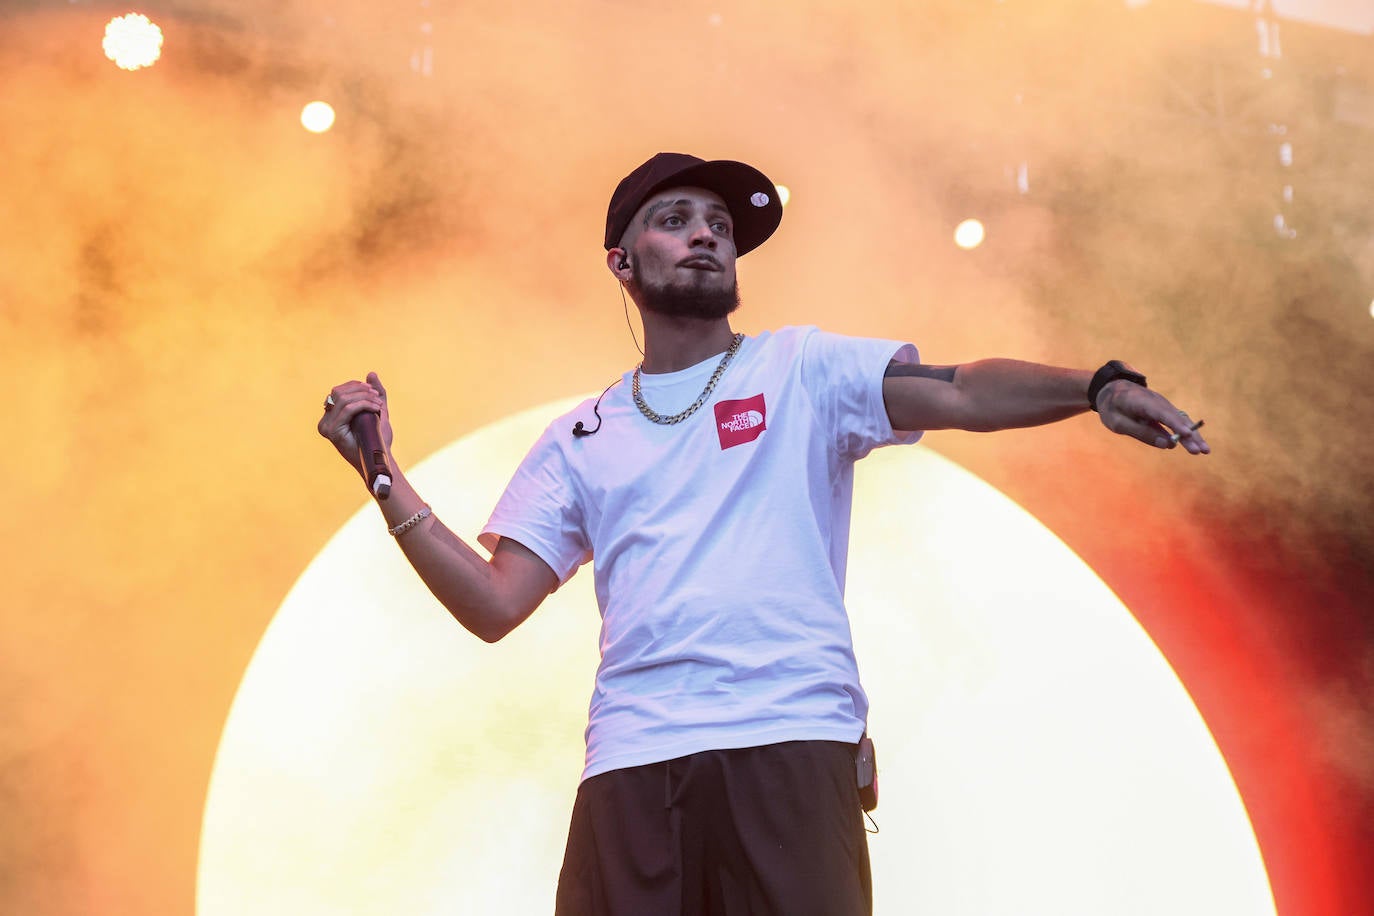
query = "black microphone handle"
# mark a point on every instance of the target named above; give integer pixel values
(366, 430)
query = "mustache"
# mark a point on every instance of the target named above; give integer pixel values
(701, 256)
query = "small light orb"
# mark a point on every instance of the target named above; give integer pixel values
(969, 234)
(784, 193)
(317, 117)
(132, 41)
(1371, 308)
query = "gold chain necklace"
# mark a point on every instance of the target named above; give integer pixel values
(658, 418)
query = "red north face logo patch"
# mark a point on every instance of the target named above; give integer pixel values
(738, 422)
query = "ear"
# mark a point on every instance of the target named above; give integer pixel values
(617, 261)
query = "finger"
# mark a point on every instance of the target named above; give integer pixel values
(1195, 444)
(344, 415)
(1185, 432)
(346, 396)
(1157, 436)
(376, 382)
(336, 419)
(332, 399)
(350, 391)
(351, 388)
(1179, 423)
(1149, 433)
(344, 411)
(340, 393)
(1181, 428)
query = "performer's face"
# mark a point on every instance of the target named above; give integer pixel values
(681, 250)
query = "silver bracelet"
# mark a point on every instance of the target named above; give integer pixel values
(409, 523)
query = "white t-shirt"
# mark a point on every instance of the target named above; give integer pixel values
(719, 545)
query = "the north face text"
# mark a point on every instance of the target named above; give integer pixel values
(741, 421)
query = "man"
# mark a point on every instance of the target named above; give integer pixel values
(712, 492)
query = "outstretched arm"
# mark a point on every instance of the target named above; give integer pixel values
(995, 394)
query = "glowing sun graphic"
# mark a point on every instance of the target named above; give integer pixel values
(1037, 753)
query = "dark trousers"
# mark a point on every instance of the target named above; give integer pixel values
(762, 831)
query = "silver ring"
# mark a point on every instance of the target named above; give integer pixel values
(329, 402)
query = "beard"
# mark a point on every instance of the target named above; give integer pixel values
(684, 300)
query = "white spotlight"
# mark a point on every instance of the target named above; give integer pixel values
(132, 41)
(784, 193)
(969, 234)
(317, 117)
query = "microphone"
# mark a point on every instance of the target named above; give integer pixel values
(365, 429)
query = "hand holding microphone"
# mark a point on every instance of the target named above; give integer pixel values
(357, 423)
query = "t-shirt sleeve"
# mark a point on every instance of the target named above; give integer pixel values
(844, 377)
(540, 508)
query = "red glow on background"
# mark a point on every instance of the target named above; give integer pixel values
(1224, 623)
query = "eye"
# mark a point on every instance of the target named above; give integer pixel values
(672, 220)
(721, 226)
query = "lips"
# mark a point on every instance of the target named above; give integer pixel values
(701, 262)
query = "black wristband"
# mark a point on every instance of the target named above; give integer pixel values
(1115, 370)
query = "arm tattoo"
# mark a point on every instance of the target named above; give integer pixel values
(939, 373)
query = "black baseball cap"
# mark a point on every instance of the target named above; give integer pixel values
(750, 196)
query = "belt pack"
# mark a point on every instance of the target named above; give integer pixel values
(866, 767)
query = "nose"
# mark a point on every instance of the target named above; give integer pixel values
(703, 236)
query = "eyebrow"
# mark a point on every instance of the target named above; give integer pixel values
(710, 206)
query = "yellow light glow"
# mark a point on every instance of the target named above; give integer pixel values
(969, 234)
(1037, 753)
(317, 117)
(784, 194)
(132, 41)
